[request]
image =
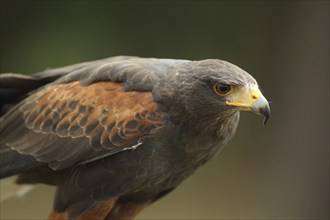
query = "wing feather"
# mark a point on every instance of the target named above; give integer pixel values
(64, 124)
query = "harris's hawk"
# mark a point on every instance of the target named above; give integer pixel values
(117, 134)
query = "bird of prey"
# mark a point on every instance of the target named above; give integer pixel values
(116, 135)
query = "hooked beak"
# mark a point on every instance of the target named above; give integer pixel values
(250, 100)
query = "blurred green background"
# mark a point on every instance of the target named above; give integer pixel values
(280, 171)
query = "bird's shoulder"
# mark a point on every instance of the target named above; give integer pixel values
(85, 111)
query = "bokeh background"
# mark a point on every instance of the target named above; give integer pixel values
(280, 171)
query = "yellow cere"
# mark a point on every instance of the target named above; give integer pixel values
(243, 97)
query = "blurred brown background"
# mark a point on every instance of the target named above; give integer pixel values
(280, 171)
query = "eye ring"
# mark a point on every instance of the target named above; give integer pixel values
(222, 89)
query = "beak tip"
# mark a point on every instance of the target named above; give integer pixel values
(265, 121)
(265, 111)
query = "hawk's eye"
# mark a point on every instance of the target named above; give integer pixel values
(222, 89)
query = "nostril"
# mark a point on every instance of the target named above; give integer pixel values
(254, 97)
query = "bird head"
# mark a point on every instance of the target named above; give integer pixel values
(210, 89)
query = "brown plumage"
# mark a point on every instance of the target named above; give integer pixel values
(100, 114)
(118, 134)
(98, 211)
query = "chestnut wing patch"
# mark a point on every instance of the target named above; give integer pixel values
(78, 120)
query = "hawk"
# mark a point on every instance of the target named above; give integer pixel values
(116, 135)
